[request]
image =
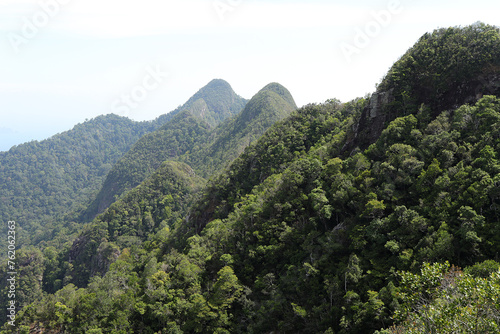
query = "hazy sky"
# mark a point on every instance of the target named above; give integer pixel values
(62, 61)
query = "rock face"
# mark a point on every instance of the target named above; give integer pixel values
(377, 101)
(87, 262)
(107, 253)
(371, 123)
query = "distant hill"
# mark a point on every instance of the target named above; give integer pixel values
(40, 182)
(215, 102)
(180, 135)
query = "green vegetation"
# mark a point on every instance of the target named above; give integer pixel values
(161, 201)
(444, 300)
(445, 68)
(43, 183)
(215, 102)
(188, 137)
(304, 232)
(182, 134)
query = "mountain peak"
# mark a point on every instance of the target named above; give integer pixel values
(446, 68)
(270, 104)
(281, 91)
(219, 83)
(215, 102)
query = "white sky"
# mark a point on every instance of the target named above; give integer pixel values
(62, 61)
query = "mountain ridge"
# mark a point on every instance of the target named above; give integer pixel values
(183, 132)
(271, 104)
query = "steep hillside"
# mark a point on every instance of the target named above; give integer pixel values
(149, 208)
(180, 139)
(180, 135)
(159, 202)
(285, 142)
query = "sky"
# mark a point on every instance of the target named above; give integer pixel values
(65, 61)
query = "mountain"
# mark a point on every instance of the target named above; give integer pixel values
(41, 182)
(322, 225)
(188, 129)
(184, 131)
(271, 104)
(289, 139)
(175, 138)
(189, 137)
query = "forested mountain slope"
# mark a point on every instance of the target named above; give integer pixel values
(182, 134)
(159, 202)
(42, 181)
(188, 137)
(324, 224)
(215, 102)
(443, 70)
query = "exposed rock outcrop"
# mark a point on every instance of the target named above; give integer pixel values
(371, 123)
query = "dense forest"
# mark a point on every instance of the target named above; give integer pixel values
(44, 183)
(377, 215)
